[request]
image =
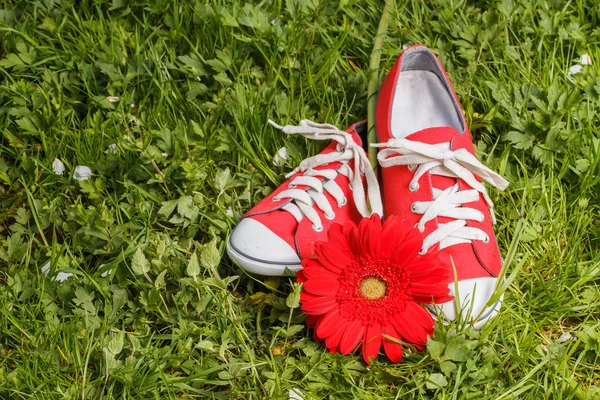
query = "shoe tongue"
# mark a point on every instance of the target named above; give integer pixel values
(436, 135)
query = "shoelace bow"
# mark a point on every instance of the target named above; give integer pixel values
(303, 201)
(438, 160)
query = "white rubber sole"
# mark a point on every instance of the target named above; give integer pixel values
(259, 267)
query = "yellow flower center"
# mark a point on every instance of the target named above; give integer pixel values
(372, 288)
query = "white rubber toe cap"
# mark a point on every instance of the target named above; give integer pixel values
(473, 295)
(260, 251)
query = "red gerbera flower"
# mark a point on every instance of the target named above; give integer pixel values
(366, 284)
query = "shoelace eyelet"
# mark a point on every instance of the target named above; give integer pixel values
(343, 203)
(412, 167)
(413, 208)
(317, 228)
(487, 239)
(351, 188)
(292, 186)
(420, 230)
(482, 218)
(413, 188)
(421, 252)
(330, 217)
(275, 198)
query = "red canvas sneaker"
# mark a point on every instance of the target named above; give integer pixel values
(325, 189)
(432, 179)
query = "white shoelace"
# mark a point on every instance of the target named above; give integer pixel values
(439, 160)
(323, 180)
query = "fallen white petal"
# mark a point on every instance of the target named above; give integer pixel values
(229, 212)
(58, 167)
(63, 276)
(82, 173)
(565, 337)
(281, 156)
(105, 273)
(112, 149)
(575, 69)
(296, 394)
(113, 99)
(45, 269)
(585, 59)
(60, 277)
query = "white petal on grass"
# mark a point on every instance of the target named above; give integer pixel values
(566, 337)
(63, 276)
(58, 167)
(113, 99)
(585, 59)
(296, 394)
(229, 212)
(82, 173)
(45, 269)
(105, 273)
(112, 149)
(60, 277)
(280, 157)
(575, 69)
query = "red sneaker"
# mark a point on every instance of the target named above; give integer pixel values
(325, 189)
(432, 179)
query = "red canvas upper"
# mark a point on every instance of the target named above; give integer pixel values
(472, 260)
(301, 236)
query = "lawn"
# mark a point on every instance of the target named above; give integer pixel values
(167, 103)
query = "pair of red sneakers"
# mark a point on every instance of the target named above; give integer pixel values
(430, 177)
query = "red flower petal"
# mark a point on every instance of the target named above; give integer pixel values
(318, 306)
(352, 336)
(370, 232)
(332, 258)
(335, 237)
(409, 331)
(331, 323)
(371, 343)
(334, 349)
(393, 350)
(419, 314)
(414, 324)
(334, 340)
(321, 287)
(393, 233)
(311, 321)
(318, 272)
(353, 237)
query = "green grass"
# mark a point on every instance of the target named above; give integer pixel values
(174, 318)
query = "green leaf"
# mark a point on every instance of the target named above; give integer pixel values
(205, 345)
(448, 367)
(159, 282)
(293, 299)
(193, 267)
(168, 207)
(116, 343)
(139, 263)
(186, 208)
(210, 256)
(522, 141)
(436, 381)
(294, 329)
(456, 352)
(435, 349)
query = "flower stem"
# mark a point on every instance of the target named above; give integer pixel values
(373, 85)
